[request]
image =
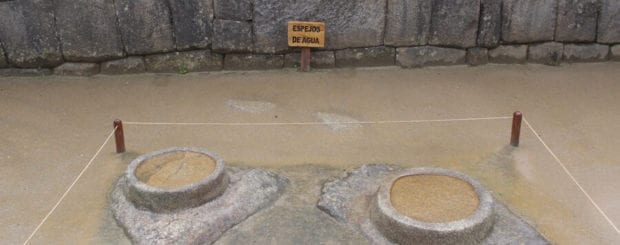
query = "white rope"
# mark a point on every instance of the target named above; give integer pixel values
(572, 177)
(312, 123)
(70, 187)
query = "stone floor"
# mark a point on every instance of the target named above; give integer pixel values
(52, 127)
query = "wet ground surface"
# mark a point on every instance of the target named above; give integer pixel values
(52, 127)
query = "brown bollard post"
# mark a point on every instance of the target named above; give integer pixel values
(119, 136)
(516, 128)
(305, 59)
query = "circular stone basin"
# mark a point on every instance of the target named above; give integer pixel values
(175, 178)
(432, 206)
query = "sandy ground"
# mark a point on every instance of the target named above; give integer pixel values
(52, 126)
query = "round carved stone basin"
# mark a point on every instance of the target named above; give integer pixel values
(175, 178)
(432, 206)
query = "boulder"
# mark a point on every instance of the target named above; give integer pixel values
(349, 24)
(183, 62)
(477, 56)
(19, 72)
(454, 23)
(88, 30)
(233, 9)
(429, 56)
(374, 56)
(77, 69)
(585, 52)
(192, 23)
(318, 59)
(253, 61)
(609, 22)
(508, 54)
(526, 21)
(490, 23)
(127, 65)
(145, 26)
(28, 33)
(408, 22)
(546, 53)
(615, 52)
(576, 20)
(232, 36)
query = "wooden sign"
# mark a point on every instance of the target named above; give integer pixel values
(306, 34)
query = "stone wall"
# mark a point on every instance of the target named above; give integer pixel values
(86, 37)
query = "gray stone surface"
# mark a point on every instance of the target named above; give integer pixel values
(454, 23)
(77, 69)
(408, 22)
(127, 65)
(249, 191)
(3, 62)
(145, 26)
(181, 62)
(17, 72)
(508, 54)
(253, 61)
(477, 56)
(318, 59)
(585, 52)
(88, 30)
(28, 33)
(429, 56)
(192, 23)
(349, 24)
(528, 20)
(609, 22)
(374, 56)
(576, 20)
(490, 23)
(232, 36)
(614, 52)
(233, 9)
(546, 53)
(347, 199)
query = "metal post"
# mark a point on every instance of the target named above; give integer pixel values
(305, 59)
(119, 136)
(516, 128)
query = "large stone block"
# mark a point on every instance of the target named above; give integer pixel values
(28, 33)
(192, 21)
(609, 22)
(145, 26)
(127, 65)
(477, 56)
(233, 9)
(408, 22)
(232, 36)
(526, 21)
(253, 61)
(429, 56)
(585, 52)
(77, 69)
(490, 23)
(319, 59)
(358, 57)
(349, 23)
(454, 23)
(18, 72)
(88, 30)
(546, 53)
(508, 54)
(576, 20)
(615, 52)
(183, 62)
